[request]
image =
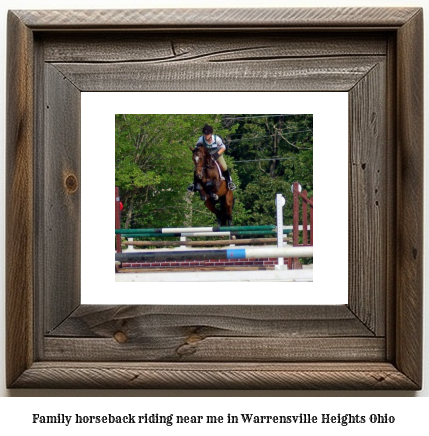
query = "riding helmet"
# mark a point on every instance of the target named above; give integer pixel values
(207, 129)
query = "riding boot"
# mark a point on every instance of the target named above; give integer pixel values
(196, 186)
(231, 185)
(193, 186)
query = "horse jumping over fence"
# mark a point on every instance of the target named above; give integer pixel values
(212, 187)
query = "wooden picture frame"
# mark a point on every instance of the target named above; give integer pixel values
(373, 342)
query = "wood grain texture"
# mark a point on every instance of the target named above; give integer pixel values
(301, 74)
(19, 197)
(214, 333)
(186, 19)
(136, 321)
(368, 201)
(110, 375)
(410, 199)
(173, 48)
(373, 343)
(153, 347)
(391, 194)
(228, 62)
(61, 207)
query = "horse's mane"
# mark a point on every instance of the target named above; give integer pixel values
(207, 155)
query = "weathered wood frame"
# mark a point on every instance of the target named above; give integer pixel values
(374, 342)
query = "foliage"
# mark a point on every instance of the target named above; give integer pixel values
(265, 155)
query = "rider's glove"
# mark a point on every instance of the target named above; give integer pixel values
(216, 155)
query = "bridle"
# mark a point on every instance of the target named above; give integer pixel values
(207, 164)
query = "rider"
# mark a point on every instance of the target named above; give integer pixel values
(216, 148)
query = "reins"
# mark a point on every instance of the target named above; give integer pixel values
(209, 162)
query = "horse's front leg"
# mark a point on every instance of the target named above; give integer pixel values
(210, 186)
(203, 194)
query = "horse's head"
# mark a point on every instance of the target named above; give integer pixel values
(199, 156)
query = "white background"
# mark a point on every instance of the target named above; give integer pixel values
(330, 175)
(411, 413)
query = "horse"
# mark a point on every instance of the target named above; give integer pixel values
(212, 186)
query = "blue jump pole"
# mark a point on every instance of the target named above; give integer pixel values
(232, 253)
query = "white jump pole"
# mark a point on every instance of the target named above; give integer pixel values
(229, 253)
(264, 252)
(280, 202)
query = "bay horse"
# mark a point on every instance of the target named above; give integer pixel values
(212, 186)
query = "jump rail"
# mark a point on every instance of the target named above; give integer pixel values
(231, 253)
(137, 234)
(169, 230)
(228, 231)
(255, 241)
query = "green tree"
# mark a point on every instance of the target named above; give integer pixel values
(270, 153)
(154, 166)
(265, 155)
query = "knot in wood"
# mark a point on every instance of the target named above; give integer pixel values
(193, 338)
(71, 183)
(120, 337)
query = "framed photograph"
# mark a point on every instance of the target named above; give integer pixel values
(373, 341)
(166, 202)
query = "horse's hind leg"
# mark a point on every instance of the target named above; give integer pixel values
(210, 205)
(229, 205)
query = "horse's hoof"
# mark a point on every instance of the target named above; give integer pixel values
(215, 197)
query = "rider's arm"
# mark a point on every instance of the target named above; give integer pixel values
(200, 141)
(221, 148)
(220, 145)
(218, 153)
